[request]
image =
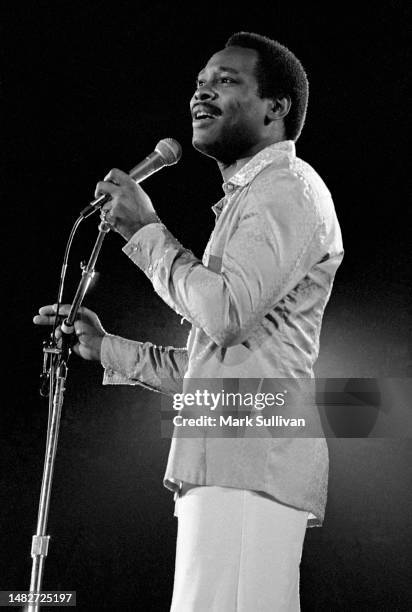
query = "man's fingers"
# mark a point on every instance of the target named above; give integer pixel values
(104, 187)
(76, 349)
(116, 176)
(47, 310)
(47, 314)
(43, 320)
(50, 309)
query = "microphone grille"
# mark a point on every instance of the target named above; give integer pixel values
(170, 150)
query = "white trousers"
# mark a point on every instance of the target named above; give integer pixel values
(237, 551)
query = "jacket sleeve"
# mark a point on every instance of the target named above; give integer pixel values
(128, 362)
(277, 239)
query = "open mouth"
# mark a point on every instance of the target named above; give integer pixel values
(204, 114)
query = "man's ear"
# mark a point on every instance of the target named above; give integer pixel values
(278, 108)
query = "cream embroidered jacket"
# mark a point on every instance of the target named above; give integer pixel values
(255, 302)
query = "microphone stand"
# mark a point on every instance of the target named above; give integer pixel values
(58, 359)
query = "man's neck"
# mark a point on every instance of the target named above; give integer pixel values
(229, 170)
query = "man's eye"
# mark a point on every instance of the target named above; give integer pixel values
(199, 83)
(226, 80)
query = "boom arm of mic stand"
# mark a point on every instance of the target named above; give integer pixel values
(87, 275)
(58, 375)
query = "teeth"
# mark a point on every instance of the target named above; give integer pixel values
(203, 115)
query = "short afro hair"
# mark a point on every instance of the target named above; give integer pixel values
(278, 72)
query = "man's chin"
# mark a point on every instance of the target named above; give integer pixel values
(203, 146)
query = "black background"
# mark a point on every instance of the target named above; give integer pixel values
(91, 86)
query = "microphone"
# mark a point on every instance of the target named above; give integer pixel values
(167, 152)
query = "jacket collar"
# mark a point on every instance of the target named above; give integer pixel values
(276, 153)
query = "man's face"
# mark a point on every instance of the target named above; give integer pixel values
(228, 114)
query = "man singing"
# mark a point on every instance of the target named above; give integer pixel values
(255, 302)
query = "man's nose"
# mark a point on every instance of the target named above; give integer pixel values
(205, 93)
